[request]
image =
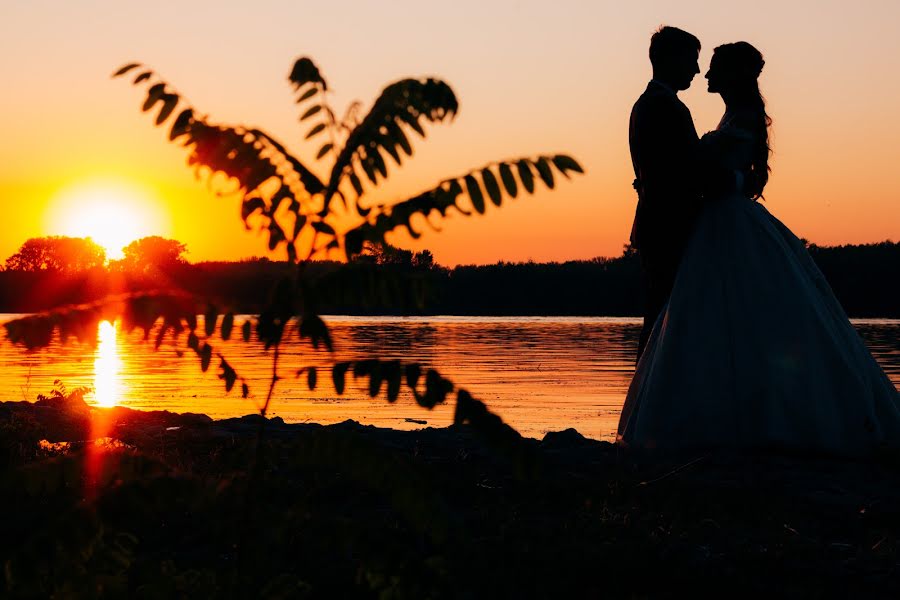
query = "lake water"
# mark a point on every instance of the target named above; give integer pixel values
(539, 373)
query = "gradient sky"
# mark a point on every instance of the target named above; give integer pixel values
(532, 77)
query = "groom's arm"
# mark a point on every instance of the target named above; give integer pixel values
(668, 147)
(689, 175)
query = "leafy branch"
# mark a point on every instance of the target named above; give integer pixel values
(400, 104)
(295, 207)
(428, 387)
(475, 185)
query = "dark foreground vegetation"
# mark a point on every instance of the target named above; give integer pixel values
(865, 278)
(182, 506)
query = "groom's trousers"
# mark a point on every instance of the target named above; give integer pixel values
(660, 268)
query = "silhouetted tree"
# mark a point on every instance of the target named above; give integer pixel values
(385, 254)
(152, 253)
(864, 278)
(423, 259)
(60, 254)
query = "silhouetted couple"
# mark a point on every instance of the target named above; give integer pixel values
(744, 344)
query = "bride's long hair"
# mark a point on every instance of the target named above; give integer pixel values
(744, 63)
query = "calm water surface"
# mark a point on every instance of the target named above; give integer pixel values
(539, 373)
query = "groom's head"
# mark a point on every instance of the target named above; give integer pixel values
(674, 54)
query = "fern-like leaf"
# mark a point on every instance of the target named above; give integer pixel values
(311, 86)
(403, 103)
(304, 72)
(447, 195)
(251, 157)
(125, 68)
(309, 179)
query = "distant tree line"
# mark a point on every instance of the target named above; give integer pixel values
(865, 278)
(59, 254)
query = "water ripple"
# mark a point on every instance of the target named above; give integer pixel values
(539, 373)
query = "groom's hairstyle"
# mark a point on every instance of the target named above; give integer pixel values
(671, 41)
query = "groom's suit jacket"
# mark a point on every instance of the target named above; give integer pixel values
(664, 152)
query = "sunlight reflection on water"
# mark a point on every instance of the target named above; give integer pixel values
(540, 374)
(107, 365)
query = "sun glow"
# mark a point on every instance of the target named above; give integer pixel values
(107, 366)
(112, 213)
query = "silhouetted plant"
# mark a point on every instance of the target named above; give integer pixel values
(297, 209)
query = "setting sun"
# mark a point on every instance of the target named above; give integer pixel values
(112, 213)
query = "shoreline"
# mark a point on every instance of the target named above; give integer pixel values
(357, 511)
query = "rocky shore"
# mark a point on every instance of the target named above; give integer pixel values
(180, 505)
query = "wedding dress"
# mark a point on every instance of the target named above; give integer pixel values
(753, 349)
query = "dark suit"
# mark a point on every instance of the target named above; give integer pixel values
(664, 152)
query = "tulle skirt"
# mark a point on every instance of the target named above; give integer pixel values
(754, 351)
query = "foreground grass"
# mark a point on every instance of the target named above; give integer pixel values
(183, 506)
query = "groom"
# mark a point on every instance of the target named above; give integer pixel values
(664, 152)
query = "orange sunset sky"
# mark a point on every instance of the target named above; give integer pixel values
(532, 77)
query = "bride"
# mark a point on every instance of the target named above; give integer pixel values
(753, 350)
